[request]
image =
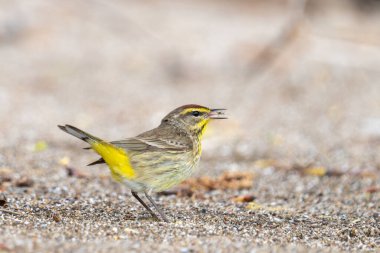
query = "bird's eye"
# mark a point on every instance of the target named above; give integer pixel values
(195, 113)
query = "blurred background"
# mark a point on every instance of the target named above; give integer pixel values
(300, 79)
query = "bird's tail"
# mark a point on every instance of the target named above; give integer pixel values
(80, 134)
(116, 157)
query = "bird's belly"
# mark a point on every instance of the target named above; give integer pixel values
(159, 172)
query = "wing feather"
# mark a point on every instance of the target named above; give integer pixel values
(150, 143)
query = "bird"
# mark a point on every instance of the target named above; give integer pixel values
(158, 159)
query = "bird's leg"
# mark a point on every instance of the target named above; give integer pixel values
(155, 205)
(134, 194)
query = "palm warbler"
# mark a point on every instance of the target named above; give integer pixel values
(159, 158)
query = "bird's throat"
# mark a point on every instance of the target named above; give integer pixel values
(201, 128)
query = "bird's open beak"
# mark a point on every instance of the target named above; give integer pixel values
(217, 114)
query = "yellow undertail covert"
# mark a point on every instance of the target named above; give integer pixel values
(116, 158)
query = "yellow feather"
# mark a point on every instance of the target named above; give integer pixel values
(116, 158)
(194, 109)
(203, 125)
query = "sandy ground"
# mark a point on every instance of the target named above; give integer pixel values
(305, 126)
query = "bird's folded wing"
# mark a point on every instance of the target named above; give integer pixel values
(151, 144)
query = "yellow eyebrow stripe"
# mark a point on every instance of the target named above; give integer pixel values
(116, 158)
(195, 109)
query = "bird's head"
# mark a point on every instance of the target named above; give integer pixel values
(193, 118)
